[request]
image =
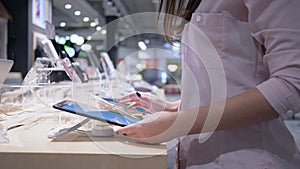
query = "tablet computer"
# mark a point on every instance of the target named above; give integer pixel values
(94, 113)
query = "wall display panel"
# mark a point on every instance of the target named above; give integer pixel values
(41, 12)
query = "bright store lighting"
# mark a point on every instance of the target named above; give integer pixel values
(68, 6)
(80, 40)
(62, 40)
(67, 37)
(77, 13)
(56, 38)
(93, 24)
(104, 32)
(86, 19)
(109, 3)
(142, 45)
(89, 38)
(164, 77)
(62, 24)
(147, 41)
(172, 68)
(73, 38)
(98, 28)
(86, 47)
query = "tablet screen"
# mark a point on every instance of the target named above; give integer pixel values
(113, 101)
(95, 113)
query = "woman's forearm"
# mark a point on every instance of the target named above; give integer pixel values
(241, 110)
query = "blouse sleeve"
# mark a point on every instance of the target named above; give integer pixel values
(276, 25)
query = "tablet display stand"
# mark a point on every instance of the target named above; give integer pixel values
(100, 129)
(63, 131)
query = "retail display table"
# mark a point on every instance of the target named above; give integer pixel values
(29, 147)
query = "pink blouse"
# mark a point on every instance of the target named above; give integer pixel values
(258, 42)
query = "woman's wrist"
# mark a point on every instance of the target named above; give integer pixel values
(172, 106)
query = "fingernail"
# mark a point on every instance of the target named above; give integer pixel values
(138, 94)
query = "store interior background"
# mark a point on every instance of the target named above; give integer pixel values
(18, 39)
(131, 42)
(85, 24)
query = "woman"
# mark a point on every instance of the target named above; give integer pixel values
(259, 47)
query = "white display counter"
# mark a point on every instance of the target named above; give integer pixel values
(30, 148)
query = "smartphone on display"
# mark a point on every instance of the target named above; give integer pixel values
(70, 70)
(94, 113)
(81, 74)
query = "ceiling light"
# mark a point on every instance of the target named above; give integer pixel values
(89, 38)
(57, 38)
(68, 6)
(62, 24)
(79, 40)
(86, 19)
(147, 41)
(62, 40)
(172, 68)
(77, 13)
(142, 45)
(86, 47)
(73, 38)
(98, 28)
(67, 37)
(104, 32)
(93, 24)
(109, 3)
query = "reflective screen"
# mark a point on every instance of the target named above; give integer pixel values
(100, 114)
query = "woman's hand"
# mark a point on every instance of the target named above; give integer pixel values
(164, 126)
(156, 128)
(105, 105)
(149, 102)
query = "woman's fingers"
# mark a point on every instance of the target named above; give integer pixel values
(128, 98)
(132, 131)
(129, 131)
(137, 104)
(142, 99)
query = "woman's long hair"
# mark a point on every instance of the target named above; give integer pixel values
(175, 9)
